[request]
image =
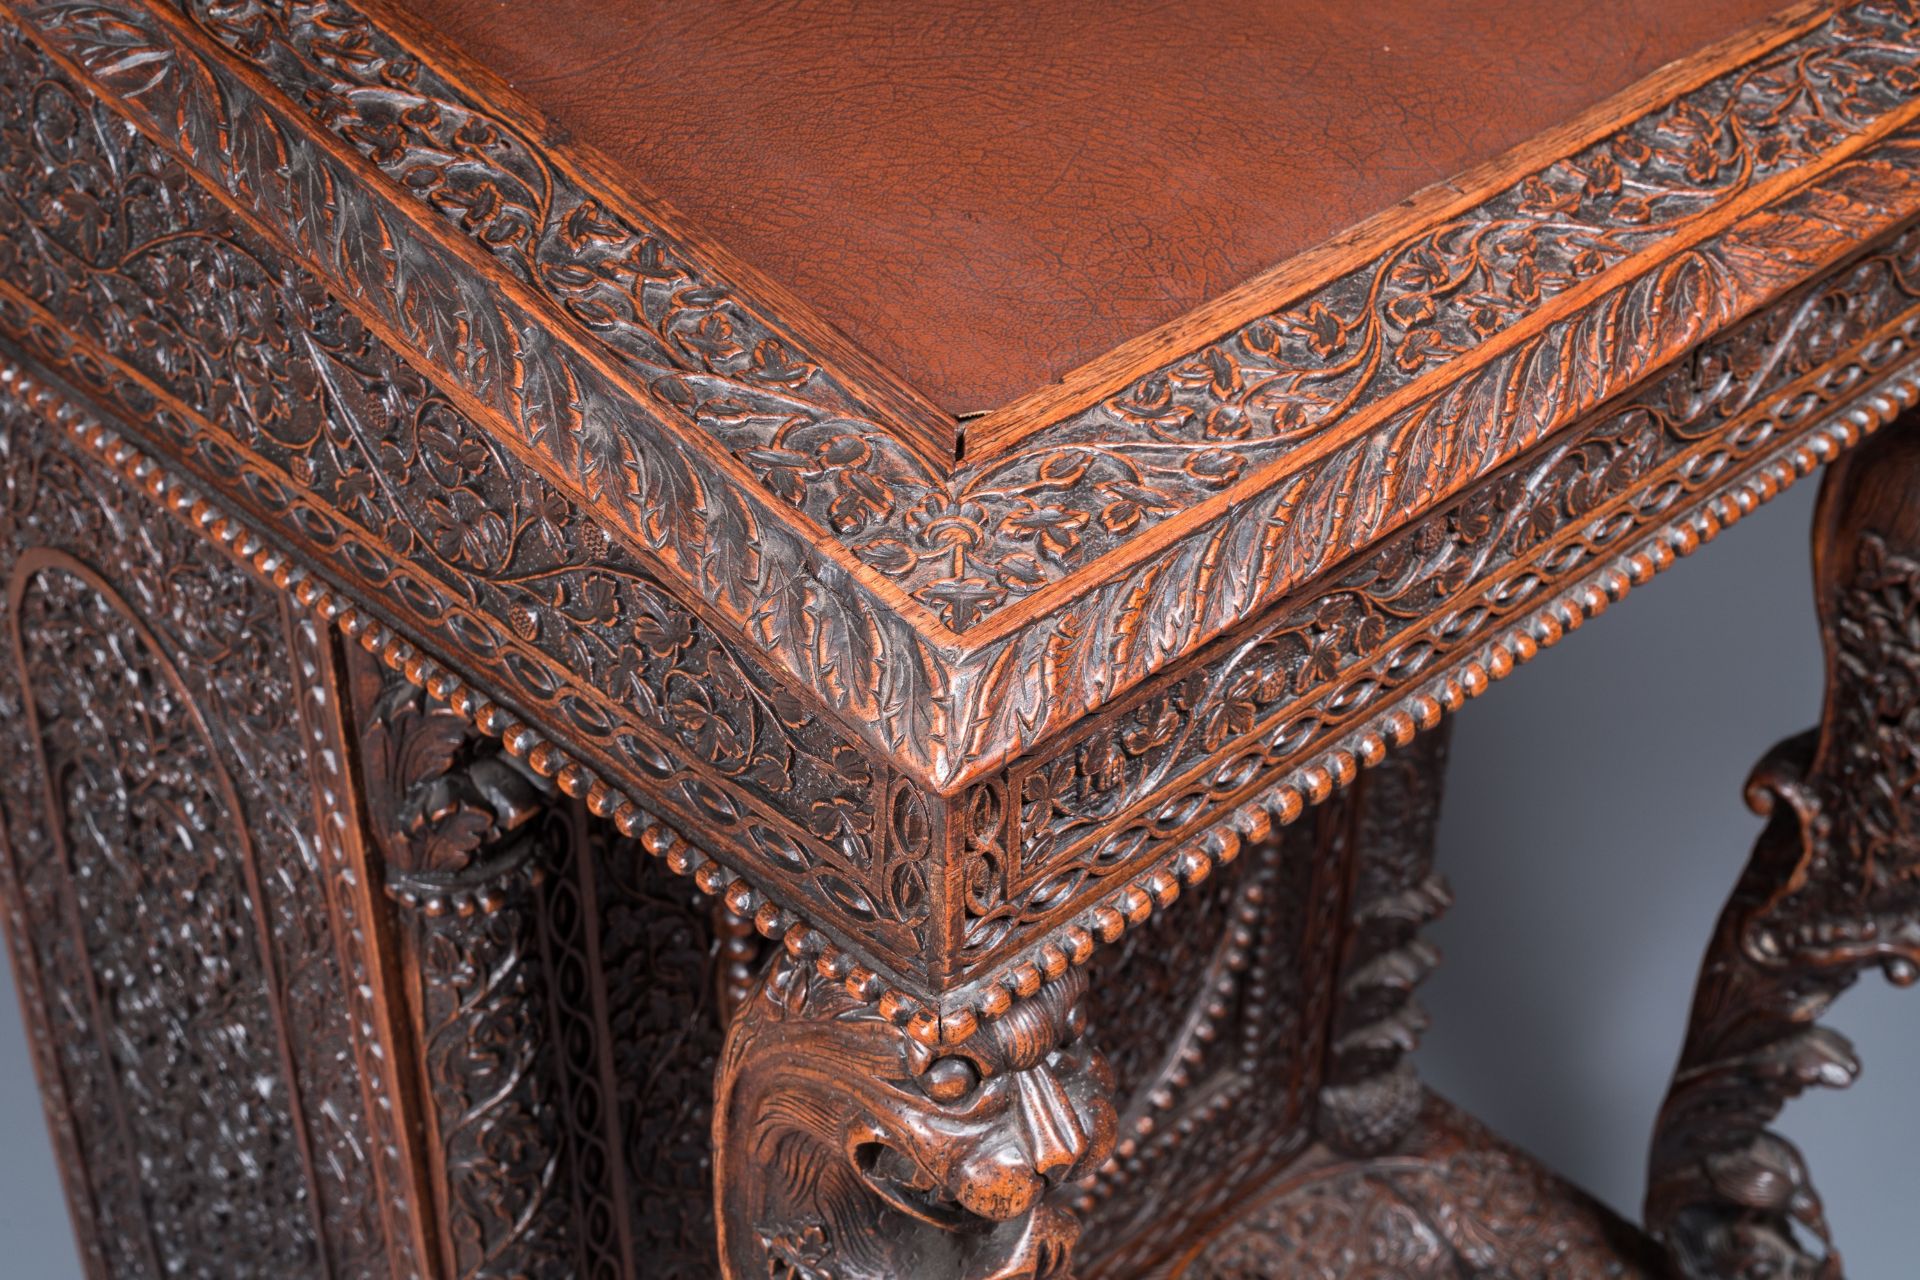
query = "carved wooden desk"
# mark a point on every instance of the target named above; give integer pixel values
(659, 641)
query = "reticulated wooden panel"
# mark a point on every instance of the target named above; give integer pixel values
(167, 888)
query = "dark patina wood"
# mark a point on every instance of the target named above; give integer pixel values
(535, 750)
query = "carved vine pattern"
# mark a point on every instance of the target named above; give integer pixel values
(162, 839)
(990, 534)
(1114, 799)
(660, 965)
(507, 360)
(114, 241)
(1837, 82)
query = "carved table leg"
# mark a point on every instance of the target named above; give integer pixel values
(460, 829)
(1833, 890)
(1371, 1097)
(844, 1148)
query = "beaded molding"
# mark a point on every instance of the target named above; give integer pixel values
(1285, 800)
(1279, 804)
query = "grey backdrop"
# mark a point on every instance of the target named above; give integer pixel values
(1593, 826)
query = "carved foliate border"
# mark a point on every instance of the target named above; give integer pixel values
(1019, 690)
(1152, 795)
(973, 542)
(1764, 254)
(262, 384)
(948, 710)
(1806, 427)
(504, 359)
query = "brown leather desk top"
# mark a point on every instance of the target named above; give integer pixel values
(984, 197)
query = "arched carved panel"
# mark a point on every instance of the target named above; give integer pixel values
(163, 904)
(167, 893)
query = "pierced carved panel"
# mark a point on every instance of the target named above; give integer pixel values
(168, 890)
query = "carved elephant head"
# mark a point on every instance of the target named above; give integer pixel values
(846, 1149)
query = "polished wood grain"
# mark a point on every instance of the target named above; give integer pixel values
(685, 804)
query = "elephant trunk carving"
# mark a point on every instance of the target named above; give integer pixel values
(838, 1137)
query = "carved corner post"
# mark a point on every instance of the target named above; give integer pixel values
(1371, 1097)
(1832, 891)
(461, 831)
(844, 1148)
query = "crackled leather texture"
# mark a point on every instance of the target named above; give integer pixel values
(987, 195)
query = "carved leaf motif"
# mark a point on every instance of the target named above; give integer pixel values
(1425, 304)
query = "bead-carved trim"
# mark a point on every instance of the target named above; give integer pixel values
(1144, 892)
(539, 753)
(1310, 783)
(1130, 904)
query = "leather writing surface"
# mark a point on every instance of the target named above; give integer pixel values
(985, 196)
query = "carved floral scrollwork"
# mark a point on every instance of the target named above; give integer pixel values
(846, 1149)
(1457, 1205)
(969, 544)
(1832, 892)
(170, 903)
(287, 400)
(1110, 798)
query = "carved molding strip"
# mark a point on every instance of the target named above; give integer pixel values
(273, 394)
(841, 632)
(953, 710)
(1493, 654)
(1282, 801)
(358, 940)
(1017, 963)
(523, 741)
(969, 544)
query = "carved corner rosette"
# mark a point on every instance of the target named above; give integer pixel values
(1832, 892)
(845, 1148)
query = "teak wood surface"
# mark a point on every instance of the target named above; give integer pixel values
(751, 641)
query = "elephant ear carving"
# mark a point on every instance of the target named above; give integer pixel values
(846, 1150)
